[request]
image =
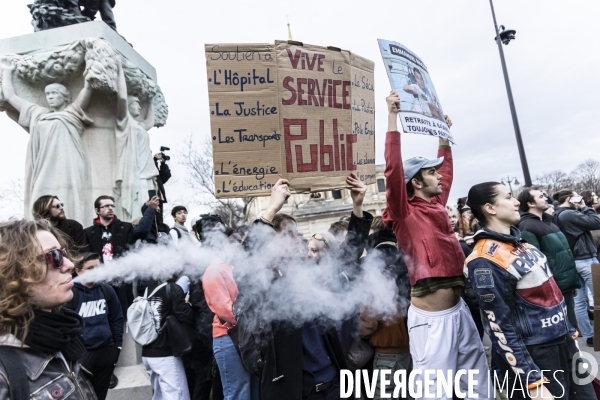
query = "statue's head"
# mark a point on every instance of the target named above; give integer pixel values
(57, 96)
(133, 104)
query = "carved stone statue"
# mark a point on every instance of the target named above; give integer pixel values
(91, 7)
(136, 172)
(98, 144)
(48, 14)
(56, 161)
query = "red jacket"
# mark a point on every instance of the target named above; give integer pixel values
(423, 229)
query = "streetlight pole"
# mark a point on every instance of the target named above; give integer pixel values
(510, 182)
(511, 102)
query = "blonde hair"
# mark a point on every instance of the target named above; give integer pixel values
(330, 242)
(20, 270)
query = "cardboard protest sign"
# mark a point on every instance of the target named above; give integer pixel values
(420, 108)
(300, 112)
(244, 119)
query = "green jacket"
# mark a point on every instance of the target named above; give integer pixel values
(546, 236)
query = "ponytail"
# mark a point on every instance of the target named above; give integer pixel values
(480, 195)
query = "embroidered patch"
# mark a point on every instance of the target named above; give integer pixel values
(493, 249)
(520, 249)
(483, 278)
(488, 298)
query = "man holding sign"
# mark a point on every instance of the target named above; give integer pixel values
(443, 336)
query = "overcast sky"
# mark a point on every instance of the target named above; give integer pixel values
(553, 66)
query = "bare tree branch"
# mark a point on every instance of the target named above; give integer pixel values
(14, 192)
(12, 198)
(198, 162)
(586, 176)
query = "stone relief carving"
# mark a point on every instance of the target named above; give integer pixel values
(99, 59)
(56, 66)
(85, 137)
(102, 65)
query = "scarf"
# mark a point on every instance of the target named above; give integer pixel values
(53, 332)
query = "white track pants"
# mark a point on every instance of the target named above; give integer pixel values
(448, 340)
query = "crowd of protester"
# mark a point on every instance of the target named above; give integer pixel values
(518, 270)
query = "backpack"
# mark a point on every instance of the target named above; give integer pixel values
(176, 230)
(244, 340)
(140, 318)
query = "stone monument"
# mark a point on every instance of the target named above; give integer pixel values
(49, 14)
(87, 100)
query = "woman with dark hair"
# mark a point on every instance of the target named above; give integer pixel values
(40, 341)
(523, 310)
(589, 198)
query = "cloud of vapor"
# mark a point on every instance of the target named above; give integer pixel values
(274, 277)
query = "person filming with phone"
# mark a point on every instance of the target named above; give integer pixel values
(159, 231)
(164, 174)
(576, 221)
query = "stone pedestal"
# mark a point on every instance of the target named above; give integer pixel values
(63, 55)
(134, 382)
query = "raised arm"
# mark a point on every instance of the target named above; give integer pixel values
(7, 85)
(279, 194)
(410, 89)
(447, 168)
(357, 192)
(397, 198)
(358, 229)
(121, 95)
(586, 218)
(84, 97)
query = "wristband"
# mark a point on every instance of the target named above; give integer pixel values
(266, 221)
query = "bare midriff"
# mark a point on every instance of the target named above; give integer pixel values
(440, 300)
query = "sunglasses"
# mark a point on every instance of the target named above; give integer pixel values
(320, 237)
(59, 205)
(55, 258)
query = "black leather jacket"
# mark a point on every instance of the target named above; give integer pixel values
(49, 377)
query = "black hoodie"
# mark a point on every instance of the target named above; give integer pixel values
(577, 227)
